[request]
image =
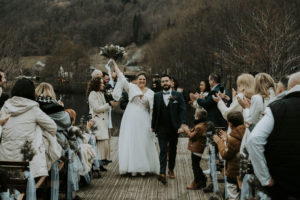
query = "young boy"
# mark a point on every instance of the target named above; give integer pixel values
(230, 151)
(197, 143)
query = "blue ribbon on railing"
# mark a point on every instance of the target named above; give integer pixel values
(8, 196)
(55, 181)
(246, 192)
(87, 178)
(97, 160)
(213, 168)
(30, 189)
(225, 181)
(70, 173)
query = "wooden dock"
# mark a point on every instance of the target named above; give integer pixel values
(112, 186)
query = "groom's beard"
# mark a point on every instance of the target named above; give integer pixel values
(166, 87)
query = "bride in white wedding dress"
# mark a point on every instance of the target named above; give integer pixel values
(137, 150)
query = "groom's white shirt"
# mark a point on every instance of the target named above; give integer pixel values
(167, 96)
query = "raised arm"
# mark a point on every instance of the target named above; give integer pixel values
(122, 83)
(207, 102)
(234, 106)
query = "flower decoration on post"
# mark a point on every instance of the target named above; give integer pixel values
(112, 51)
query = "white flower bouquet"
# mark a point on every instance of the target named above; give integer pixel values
(112, 51)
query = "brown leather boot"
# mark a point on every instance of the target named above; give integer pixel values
(197, 186)
(193, 186)
(162, 178)
(171, 174)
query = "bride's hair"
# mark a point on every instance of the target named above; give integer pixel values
(141, 74)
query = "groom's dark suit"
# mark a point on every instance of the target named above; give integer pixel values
(166, 120)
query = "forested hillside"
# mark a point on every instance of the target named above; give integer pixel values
(188, 39)
(33, 27)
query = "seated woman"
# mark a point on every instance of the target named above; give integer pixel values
(55, 109)
(25, 124)
(86, 151)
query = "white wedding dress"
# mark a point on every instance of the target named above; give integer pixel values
(137, 150)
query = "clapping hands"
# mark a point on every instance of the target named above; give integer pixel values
(245, 103)
(223, 135)
(90, 124)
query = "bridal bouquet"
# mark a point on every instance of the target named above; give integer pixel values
(112, 51)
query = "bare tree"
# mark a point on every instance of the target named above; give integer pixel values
(268, 40)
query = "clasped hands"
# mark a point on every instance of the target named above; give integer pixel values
(223, 136)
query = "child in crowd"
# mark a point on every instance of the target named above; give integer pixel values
(197, 144)
(229, 147)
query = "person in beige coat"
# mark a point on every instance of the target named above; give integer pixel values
(26, 123)
(100, 111)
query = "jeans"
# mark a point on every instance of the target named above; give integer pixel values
(198, 173)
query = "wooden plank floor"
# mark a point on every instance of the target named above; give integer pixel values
(112, 186)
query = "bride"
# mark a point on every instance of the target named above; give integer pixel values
(137, 150)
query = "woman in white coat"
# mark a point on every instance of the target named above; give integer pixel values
(26, 123)
(264, 91)
(100, 111)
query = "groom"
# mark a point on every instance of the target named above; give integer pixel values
(167, 118)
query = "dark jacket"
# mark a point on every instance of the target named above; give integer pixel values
(177, 109)
(230, 151)
(197, 138)
(124, 100)
(213, 113)
(3, 98)
(56, 112)
(282, 150)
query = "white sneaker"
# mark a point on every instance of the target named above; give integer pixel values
(206, 171)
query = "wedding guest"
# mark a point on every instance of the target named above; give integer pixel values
(281, 89)
(204, 91)
(197, 144)
(273, 145)
(245, 83)
(155, 85)
(174, 84)
(26, 123)
(46, 98)
(230, 151)
(3, 96)
(106, 80)
(282, 85)
(264, 90)
(100, 110)
(214, 115)
(96, 73)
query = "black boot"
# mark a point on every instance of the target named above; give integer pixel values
(102, 169)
